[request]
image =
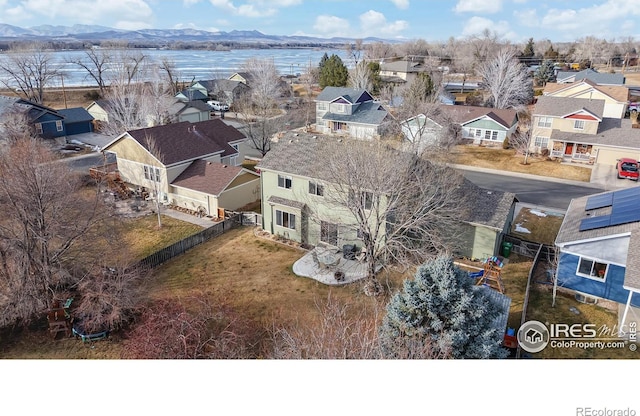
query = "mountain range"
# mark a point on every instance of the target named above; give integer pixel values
(94, 33)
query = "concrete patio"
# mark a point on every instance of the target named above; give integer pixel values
(322, 263)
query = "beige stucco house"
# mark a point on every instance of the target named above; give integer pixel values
(191, 165)
(615, 97)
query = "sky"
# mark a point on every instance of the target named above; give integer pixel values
(437, 20)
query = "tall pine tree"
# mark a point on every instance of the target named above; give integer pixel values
(443, 309)
(333, 72)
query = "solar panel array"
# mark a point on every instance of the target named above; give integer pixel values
(625, 208)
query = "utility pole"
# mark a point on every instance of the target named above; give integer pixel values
(64, 92)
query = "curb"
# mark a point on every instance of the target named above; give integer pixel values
(524, 176)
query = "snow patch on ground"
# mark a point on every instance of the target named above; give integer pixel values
(521, 229)
(538, 213)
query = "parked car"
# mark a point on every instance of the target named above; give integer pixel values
(218, 106)
(627, 169)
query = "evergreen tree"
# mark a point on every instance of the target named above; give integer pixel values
(333, 72)
(528, 49)
(551, 54)
(442, 307)
(544, 73)
(376, 81)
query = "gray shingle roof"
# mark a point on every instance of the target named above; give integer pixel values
(632, 272)
(503, 302)
(367, 113)
(463, 114)
(352, 95)
(570, 228)
(402, 66)
(193, 94)
(562, 106)
(490, 208)
(597, 77)
(75, 115)
(611, 132)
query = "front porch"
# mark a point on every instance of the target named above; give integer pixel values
(574, 152)
(328, 265)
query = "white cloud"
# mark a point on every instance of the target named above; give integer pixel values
(476, 25)
(602, 20)
(478, 6)
(132, 25)
(527, 17)
(101, 12)
(331, 26)
(375, 23)
(401, 4)
(254, 8)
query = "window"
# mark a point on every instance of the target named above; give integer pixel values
(233, 160)
(591, 268)
(541, 142)
(340, 108)
(321, 106)
(366, 201)
(494, 135)
(487, 134)
(39, 128)
(544, 122)
(329, 233)
(578, 124)
(59, 125)
(478, 133)
(235, 147)
(151, 173)
(316, 188)
(285, 219)
(472, 132)
(284, 182)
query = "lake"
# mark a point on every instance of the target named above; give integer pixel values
(202, 65)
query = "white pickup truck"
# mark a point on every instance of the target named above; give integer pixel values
(218, 106)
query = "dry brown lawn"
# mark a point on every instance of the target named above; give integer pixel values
(508, 160)
(543, 226)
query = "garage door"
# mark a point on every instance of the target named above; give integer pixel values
(608, 156)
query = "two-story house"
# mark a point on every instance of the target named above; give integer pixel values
(615, 97)
(401, 72)
(45, 121)
(598, 78)
(349, 112)
(574, 129)
(224, 90)
(599, 249)
(192, 165)
(299, 200)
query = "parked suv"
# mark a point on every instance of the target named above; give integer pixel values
(627, 168)
(218, 106)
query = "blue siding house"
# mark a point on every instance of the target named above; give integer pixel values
(77, 120)
(46, 122)
(599, 248)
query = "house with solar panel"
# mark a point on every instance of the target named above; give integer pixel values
(349, 112)
(599, 249)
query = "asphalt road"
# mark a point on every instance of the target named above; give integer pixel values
(531, 191)
(83, 163)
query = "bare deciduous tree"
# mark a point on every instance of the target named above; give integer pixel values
(259, 107)
(43, 221)
(360, 77)
(28, 69)
(521, 140)
(506, 80)
(96, 62)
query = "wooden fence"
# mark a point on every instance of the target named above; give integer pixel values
(176, 249)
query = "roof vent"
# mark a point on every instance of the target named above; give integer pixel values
(314, 137)
(489, 192)
(208, 163)
(291, 141)
(295, 134)
(224, 166)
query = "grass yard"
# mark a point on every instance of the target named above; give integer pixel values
(540, 310)
(142, 236)
(507, 160)
(537, 225)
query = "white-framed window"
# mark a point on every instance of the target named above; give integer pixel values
(152, 173)
(544, 122)
(38, 128)
(494, 135)
(592, 269)
(541, 142)
(321, 106)
(316, 188)
(58, 125)
(340, 108)
(478, 133)
(284, 182)
(578, 124)
(285, 219)
(367, 198)
(487, 134)
(472, 132)
(233, 160)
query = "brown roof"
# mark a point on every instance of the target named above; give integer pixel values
(617, 92)
(207, 177)
(185, 141)
(463, 114)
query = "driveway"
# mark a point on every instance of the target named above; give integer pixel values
(606, 178)
(93, 139)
